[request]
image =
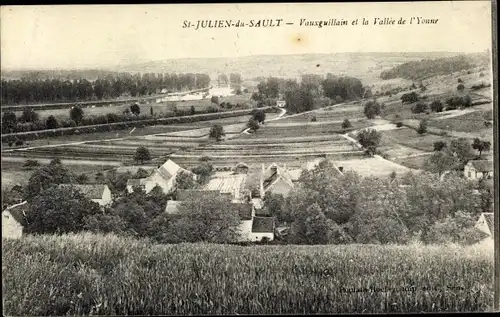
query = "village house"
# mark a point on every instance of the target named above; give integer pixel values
(477, 169)
(275, 179)
(485, 224)
(241, 168)
(164, 177)
(12, 218)
(99, 193)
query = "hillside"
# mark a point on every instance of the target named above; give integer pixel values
(425, 68)
(88, 274)
(366, 66)
(61, 74)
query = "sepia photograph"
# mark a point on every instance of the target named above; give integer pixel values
(249, 158)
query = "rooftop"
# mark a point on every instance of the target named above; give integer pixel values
(488, 216)
(263, 224)
(18, 210)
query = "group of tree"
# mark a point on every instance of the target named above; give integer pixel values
(30, 120)
(35, 90)
(369, 140)
(454, 156)
(326, 208)
(310, 92)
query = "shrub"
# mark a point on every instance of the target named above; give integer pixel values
(419, 108)
(437, 106)
(19, 142)
(399, 124)
(313, 119)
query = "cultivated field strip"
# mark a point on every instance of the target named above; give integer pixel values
(88, 274)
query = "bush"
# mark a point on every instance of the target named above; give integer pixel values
(19, 142)
(419, 108)
(313, 119)
(460, 87)
(399, 124)
(422, 127)
(437, 106)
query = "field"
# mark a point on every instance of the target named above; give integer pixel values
(468, 122)
(13, 174)
(106, 275)
(158, 108)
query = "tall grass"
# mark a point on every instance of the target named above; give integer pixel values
(108, 275)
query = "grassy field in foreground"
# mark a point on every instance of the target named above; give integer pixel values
(108, 275)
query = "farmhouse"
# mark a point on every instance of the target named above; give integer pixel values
(164, 177)
(275, 179)
(12, 217)
(477, 169)
(485, 224)
(99, 193)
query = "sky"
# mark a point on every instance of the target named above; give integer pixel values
(104, 36)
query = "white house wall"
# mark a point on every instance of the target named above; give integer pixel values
(11, 229)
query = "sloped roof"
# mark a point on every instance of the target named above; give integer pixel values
(136, 181)
(92, 191)
(184, 194)
(482, 165)
(169, 169)
(18, 210)
(244, 210)
(241, 164)
(263, 224)
(270, 176)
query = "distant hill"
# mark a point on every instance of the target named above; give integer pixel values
(366, 66)
(425, 68)
(62, 74)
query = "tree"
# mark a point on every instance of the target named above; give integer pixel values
(419, 108)
(461, 148)
(151, 111)
(46, 176)
(273, 206)
(30, 164)
(372, 109)
(346, 124)
(142, 154)
(258, 115)
(441, 161)
(369, 139)
(141, 173)
(439, 145)
(59, 210)
(409, 97)
(460, 87)
(135, 109)
(107, 222)
(253, 125)
(207, 218)
(184, 180)
(29, 115)
(422, 127)
(51, 123)
(192, 110)
(203, 170)
(215, 99)
(216, 132)
(9, 122)
(312, 227)
(76, 114)
(437, 106)
(481, 145)
(82, 179)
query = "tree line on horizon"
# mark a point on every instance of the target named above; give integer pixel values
(28, 90)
